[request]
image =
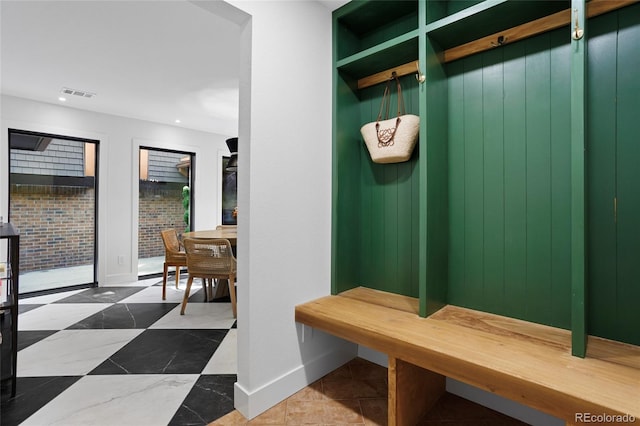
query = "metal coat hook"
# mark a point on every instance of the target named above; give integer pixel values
(577, 32)
(499, 42)
(419, 76)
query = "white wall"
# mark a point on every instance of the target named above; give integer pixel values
(118, 171)
(284, 191)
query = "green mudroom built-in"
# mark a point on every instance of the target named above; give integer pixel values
(522, 196)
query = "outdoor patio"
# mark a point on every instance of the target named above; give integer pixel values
(63, 277)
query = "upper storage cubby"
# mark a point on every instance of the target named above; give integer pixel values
(375, 222)
(372, 33)
(400, 50)
(439, 9)
(453, 23)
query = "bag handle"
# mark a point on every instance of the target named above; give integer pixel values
(386, 99)
(385, 138)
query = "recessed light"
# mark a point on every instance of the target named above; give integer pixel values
(177, 121)
(62, 98)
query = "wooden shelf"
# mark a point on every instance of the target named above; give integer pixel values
(399, 50)
(386, 75)
(487, 18)
(530, 29)
(511, 35)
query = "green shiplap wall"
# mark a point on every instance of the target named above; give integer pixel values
(494, 177)
(346, 181)
(509, 180)
(613, 159)
(388, 250)
(376, 231)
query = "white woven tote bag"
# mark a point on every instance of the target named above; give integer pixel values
(391, 140)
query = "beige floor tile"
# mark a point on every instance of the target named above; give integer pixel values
(356, 394)
(354, 389)
(313, 392)
(305, 412)
(367, 370)
(346, 412)
(343, 372)
(273, 416)
(234, 418)
(374, 411)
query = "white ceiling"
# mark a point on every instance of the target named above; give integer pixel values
(155, 60)
(151, 60)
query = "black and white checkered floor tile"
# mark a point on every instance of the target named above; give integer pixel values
(122, 356)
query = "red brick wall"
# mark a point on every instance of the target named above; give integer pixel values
(67, 213)
(160, 207)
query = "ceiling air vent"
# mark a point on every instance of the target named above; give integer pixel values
(76, 92)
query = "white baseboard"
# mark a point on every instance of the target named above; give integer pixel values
(253, 403)
(119, 279)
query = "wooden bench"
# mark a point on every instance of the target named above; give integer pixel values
(525, 362)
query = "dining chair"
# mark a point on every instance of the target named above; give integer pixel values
(210, 258)
(173, 256)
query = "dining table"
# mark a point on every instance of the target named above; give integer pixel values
(226, 232)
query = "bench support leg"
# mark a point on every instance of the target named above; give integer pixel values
(412, 392)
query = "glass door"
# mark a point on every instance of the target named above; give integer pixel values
(53, 202)
(164, 202)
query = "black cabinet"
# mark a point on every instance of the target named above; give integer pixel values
(9, 307)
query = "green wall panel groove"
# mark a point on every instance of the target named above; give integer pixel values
(493, 177)
(515, 194)
(538, 151)
(628, 179)
(346, 191)
(435, 188)
(509, 163)
(613, 156)
(457, 251)
(601, 166)
(560, 175)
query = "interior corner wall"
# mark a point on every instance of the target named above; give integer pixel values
(117, 168)
(284, 200)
